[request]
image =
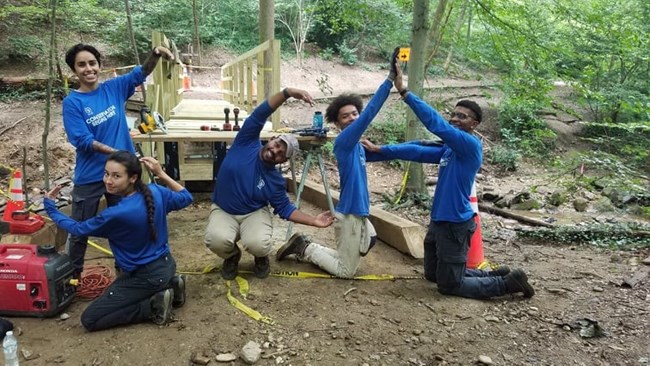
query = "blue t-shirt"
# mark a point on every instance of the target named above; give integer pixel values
(351, 158)
(126, 226)
(245, 183)
(99, 115)
(460, 158)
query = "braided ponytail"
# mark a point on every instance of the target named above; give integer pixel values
(148, 198)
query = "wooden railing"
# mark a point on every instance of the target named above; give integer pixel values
(243, 78)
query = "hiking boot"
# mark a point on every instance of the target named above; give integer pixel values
(178, 285)
(161, 306)
(295, 245)
(500, 271)
(262, 267)
(517, 281)
(230, 265)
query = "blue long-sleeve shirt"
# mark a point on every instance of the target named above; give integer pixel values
(460, 158)
(126, 226)
(245, 183)
(99, 115)
(351, 157)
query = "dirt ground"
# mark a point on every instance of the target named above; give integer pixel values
(354, 322)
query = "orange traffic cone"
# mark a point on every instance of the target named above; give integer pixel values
(475, 256)
(187, 83)
(16, 198)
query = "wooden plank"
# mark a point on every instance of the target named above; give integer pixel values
(260, 77)
(218, 136)
(49, 234)
(249, 82)
(201, 170)
(275, 117)
(190, 126)
(261, 48)
(403, 235)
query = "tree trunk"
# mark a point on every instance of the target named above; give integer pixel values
(133, 44)
(48, 101)
(437, 30)
(459, 23)
(267, 32)
(197, 36)
(419, 34)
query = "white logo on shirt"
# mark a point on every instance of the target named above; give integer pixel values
(88, 111)
(260, 184)
(102, 117)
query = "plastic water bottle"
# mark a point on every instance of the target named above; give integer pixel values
(10, 349)
(318, 120)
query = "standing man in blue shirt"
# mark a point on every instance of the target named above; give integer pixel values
(354, 232)
(247, 182)
(452, 218)
(94, 119)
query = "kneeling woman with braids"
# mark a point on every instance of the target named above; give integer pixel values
(136, 228)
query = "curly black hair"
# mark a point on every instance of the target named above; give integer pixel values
(332, 111)
(74, 50)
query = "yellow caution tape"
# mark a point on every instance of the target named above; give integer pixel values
(242, 284)
(100, 248)
(254, 314)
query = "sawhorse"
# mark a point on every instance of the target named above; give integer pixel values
(315, 149)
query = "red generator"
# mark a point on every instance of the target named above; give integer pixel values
(34, 280)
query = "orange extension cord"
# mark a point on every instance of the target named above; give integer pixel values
(94, 281)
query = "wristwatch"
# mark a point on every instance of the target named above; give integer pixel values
(285, 92)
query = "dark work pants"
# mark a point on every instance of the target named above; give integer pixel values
(445, 256)
(85, 203)
(127, 299)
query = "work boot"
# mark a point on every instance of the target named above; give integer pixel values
(295, 245)
(178, 285)
(230, 265)
(500, 271)
(161, 306)
(262, 267)
(517, 281)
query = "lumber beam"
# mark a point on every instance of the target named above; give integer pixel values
(401, 234)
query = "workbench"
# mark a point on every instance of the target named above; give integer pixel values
(172, 150)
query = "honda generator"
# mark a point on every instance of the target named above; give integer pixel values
(34, 280)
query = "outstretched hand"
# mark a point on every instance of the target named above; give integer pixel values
(369, 145)
(399, 81)
(165, 53)
(324, 219)
(302, 95)
(393, 65)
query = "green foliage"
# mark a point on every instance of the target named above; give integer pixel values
(348, 54)
(631, 140)
(357, 24)
(23, 48)
(615, 236)
(522, 129)
(505, 158)
(607, 55)
(386, 133)
(20, 94)
(326, 54)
